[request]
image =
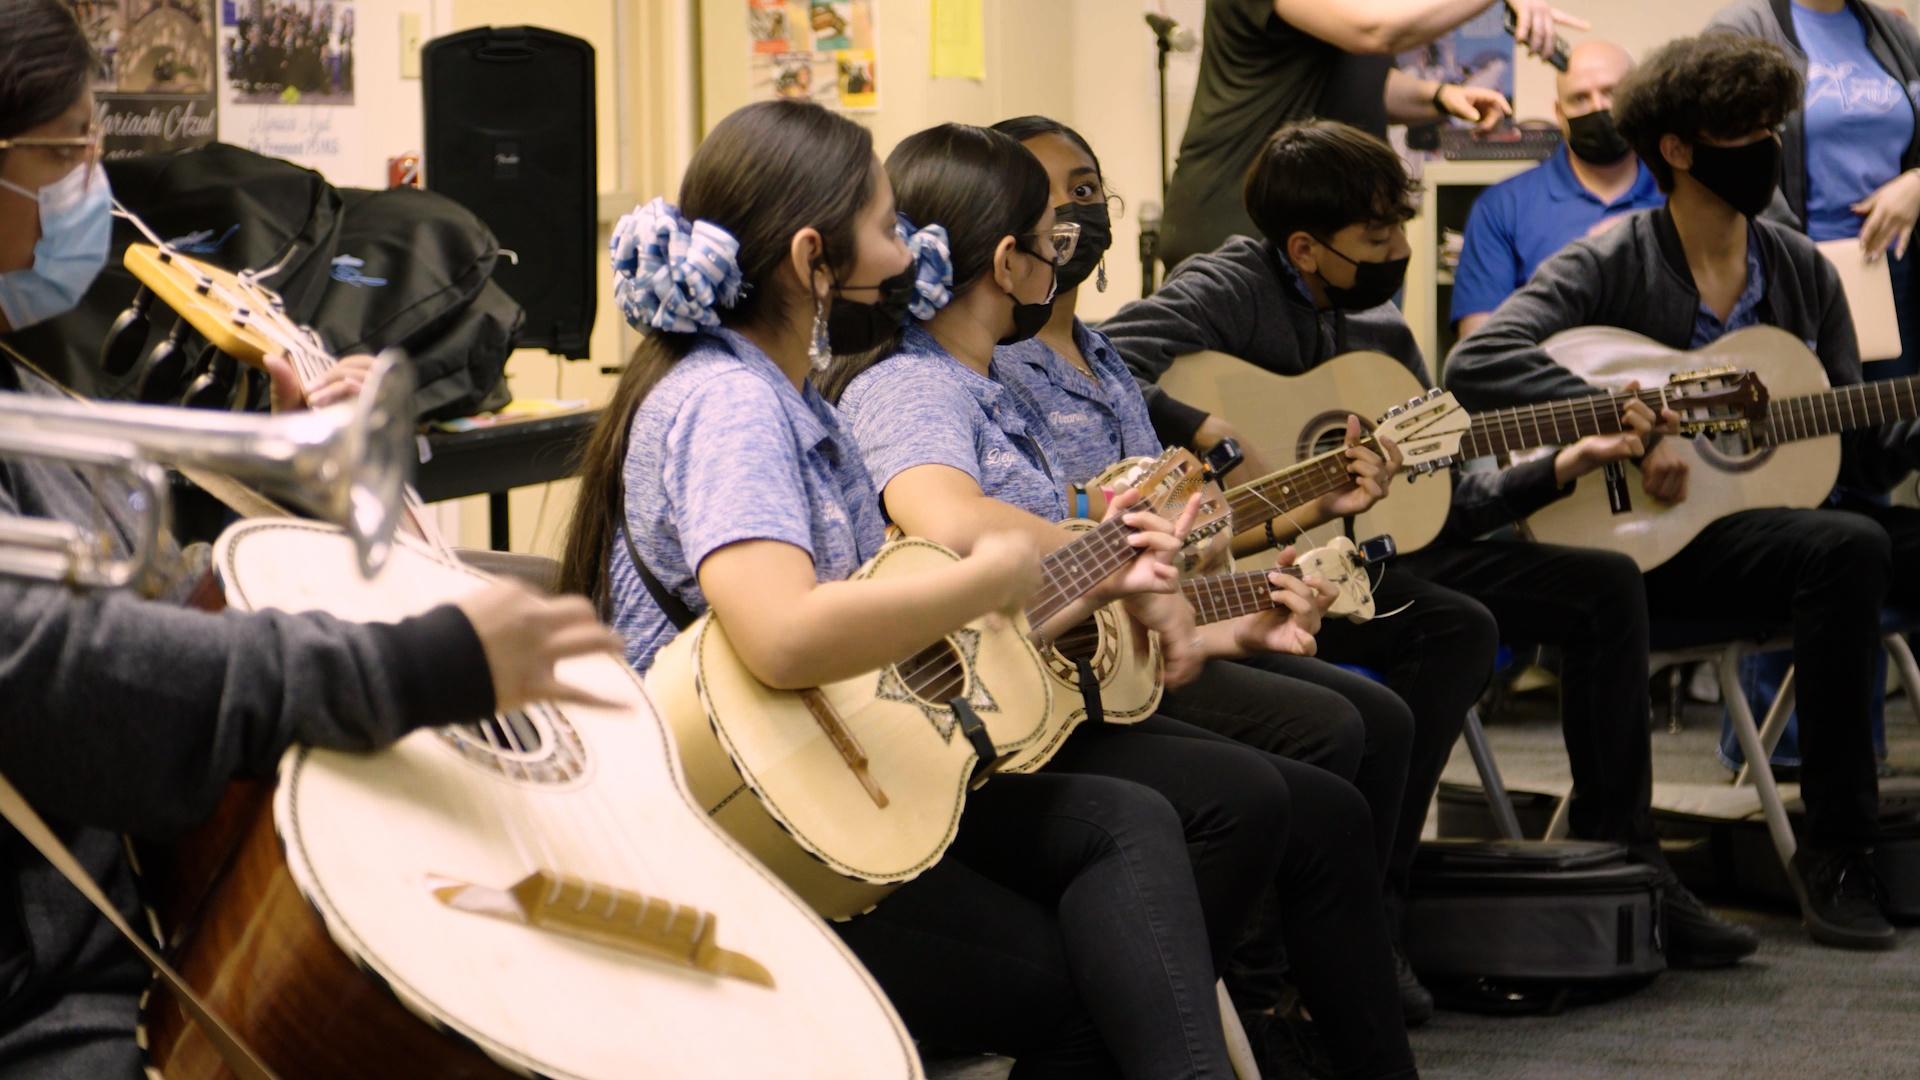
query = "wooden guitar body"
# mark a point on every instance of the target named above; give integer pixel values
(1289, 417)
(1727, 475)
(760, 762)
(556, 906)
(1123, 655)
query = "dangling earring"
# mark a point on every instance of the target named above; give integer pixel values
(819, 350)
(1100, 278)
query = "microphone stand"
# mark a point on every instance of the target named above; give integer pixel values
(1150, 239)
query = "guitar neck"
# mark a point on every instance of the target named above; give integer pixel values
(1069, 573)
(1551, 423)
(1844, 408)
(1219, 597)
(1283, 492)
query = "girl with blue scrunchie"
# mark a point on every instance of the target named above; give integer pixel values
(958, 448)
(1064, 926)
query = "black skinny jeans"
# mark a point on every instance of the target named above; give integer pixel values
(1592, 606)
(1317, 875)
(1824, 574)
(1437, 656)
(1063, 929)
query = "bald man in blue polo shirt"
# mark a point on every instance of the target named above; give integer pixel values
(1586, 186)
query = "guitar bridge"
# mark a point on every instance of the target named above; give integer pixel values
(616, 918)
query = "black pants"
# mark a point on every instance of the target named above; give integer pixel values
(1310, 711)
(1436, 655)
(1064, 929)
(1826, 574)
(1591, 605)
(1325, 896)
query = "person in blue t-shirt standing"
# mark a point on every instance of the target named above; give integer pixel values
(1851, 161)
(1585, 187)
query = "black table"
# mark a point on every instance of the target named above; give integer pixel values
(494, 460)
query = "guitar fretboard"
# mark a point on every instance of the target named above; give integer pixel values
(1219, 597)
(1289, 489)
(1552, 423)
(1070, 572)
(1843, 408)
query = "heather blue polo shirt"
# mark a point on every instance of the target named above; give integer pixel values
(726, 449)
(920, 406)
(1094, 422)
(1522, 221)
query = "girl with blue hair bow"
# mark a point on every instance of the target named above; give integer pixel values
(1063, 926)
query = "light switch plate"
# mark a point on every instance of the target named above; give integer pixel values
(409, 44)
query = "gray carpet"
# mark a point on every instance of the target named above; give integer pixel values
(1797, 1010)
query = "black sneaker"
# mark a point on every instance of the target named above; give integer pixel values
(1840, 898)
(1696, 937)
(1416, 1002)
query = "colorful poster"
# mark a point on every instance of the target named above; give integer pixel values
(825, 51)
(289, 52)
(154, 83)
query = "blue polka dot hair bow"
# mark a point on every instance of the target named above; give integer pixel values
(669, 275)
(932, 268)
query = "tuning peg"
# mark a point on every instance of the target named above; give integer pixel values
(165, 367)
(213, 388)
(120, 349)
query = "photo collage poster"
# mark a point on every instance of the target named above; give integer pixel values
(824, 51)
(154, 74)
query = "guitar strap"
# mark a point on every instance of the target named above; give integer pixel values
(1090, 691)
(21, 815)
(676, 612)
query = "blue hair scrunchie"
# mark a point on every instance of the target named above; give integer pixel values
(932, 268)
(671, 275)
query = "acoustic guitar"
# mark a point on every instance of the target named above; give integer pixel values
(1303, 418)
(1789, 456)
(532, 894)
(850, 790)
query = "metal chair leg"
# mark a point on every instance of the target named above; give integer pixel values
(1504, 819)
(1903, 664)
(1775, 726)
(1743, 728)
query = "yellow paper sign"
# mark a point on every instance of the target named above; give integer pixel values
(959, 40)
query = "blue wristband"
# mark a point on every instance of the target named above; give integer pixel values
(1081, 508)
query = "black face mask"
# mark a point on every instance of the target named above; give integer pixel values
(1593, 138)
(1744, 176)
(855, 327)
(1374, 283)
(1029, 318)
(1096, 236)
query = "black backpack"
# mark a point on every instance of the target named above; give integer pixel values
(238, 210)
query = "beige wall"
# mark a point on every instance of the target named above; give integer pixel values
(1030, 65)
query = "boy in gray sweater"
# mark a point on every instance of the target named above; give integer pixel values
(1331, 202)
(1702, 113)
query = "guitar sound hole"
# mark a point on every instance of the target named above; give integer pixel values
(935, 674)
(511, 733)
(536, 746)
(1080, 643)
(1731, 451)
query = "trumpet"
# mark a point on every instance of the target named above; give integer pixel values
(348, 464)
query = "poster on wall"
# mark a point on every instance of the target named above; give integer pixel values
(826, 51)
(153, 80)
(1479, 52)
(287, 86)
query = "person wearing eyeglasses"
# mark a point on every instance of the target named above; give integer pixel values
(128, 714)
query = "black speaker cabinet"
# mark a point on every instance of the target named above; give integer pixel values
(510, 136)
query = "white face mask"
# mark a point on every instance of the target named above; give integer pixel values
(76, 232)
